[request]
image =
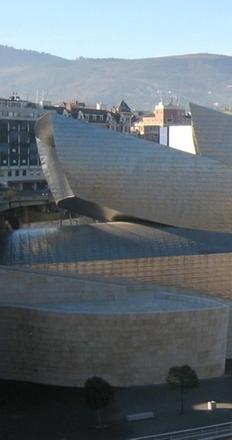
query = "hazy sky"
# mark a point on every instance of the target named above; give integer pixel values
(119, 28)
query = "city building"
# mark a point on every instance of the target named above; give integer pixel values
(164, 115)
(179, 137)
(119, 118)
(20, 166)
(122, 118)
(129, 298)
(78, 110)
(19, 161)
(170, 114)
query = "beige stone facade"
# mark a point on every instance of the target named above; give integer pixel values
(62, 329)
(209, 273)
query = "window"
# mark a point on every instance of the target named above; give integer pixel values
(23, 126)
(33, 148)
(9, 173)
(31, 127)
(23, 154)
(24, 138)
(3, 154)
(24, 172)
(23, 160)
(3, 131)
(24, 148)
(13, 125)
(13, 137)
(33, 159)
(32, 137)
(17, 172)
(13, 159)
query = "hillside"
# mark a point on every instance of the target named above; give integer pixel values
(202, 78)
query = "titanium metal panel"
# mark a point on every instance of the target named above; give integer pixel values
(106, 241)
(212, 133)
(120, 176)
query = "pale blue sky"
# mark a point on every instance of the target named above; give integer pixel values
(119, 28)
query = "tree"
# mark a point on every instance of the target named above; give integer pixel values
(98, 394)
(184, 378)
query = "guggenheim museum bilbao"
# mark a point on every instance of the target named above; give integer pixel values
(146, 287)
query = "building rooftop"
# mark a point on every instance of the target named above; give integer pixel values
(106, 241)
(142, 302)
(123, 107)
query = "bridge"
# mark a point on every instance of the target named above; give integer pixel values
(15, 205)
(17, 199)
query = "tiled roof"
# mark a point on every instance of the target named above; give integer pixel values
(124, 108)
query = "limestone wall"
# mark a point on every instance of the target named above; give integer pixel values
(211, 273)
(66, 349)
(41, 342)
(27, 286)
(208, 273)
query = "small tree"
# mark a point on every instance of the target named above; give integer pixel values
(183, 378)
(98, 394)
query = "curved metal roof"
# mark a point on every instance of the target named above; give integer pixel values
(108, 175)
(106, 241)
(212, 133)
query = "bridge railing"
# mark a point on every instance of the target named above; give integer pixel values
(212, 432)
(10, 200)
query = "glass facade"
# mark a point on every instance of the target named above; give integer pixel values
(17, 144)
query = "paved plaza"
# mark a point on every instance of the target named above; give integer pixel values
(51, 413)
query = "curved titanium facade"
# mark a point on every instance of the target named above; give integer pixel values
(212, 133)
(107, 242)
(109, 175)
(59, 324)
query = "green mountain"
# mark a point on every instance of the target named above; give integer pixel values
(202, 78)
